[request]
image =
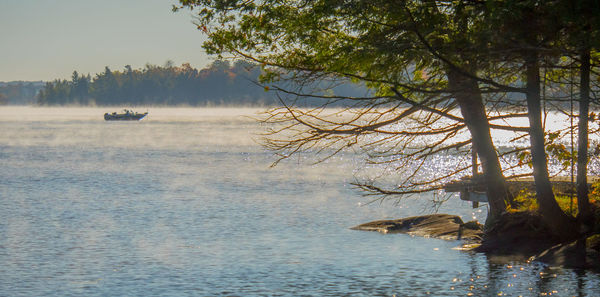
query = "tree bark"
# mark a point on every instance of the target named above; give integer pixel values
(467, 94)
(583, 202)
(552, 215)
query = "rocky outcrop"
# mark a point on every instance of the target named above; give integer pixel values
(580, 254)
(443, 226)
(514, 237)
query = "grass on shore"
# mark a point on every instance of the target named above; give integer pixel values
(525, 201)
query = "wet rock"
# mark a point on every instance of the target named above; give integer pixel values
(513, 237)
(580, 254)
(443, 226)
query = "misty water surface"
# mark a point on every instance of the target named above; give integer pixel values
(184, 203)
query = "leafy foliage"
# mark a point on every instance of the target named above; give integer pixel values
(425, 60)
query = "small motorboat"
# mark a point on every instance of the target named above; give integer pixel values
(127, 115)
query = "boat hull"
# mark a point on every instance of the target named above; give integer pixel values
(124, 117)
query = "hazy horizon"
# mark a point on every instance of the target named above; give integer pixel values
(47, 40)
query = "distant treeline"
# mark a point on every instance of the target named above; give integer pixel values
(19, 92)
(222, 83)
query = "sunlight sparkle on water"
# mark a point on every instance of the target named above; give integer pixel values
(185, 203)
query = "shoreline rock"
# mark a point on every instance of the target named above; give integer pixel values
(515, 237)
(580, 254)
(442, 226)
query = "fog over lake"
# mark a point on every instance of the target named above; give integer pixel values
(185, 203)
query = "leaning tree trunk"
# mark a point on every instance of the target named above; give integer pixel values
(467, 94)
(552, 215)
(583, 202)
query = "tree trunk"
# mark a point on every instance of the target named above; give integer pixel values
(467, 94)
(552, 215)
(583, 202)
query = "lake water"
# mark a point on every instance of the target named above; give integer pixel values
(184, 203)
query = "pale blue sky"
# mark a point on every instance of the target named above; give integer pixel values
(45, 39)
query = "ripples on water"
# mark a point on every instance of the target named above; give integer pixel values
(184, 204)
